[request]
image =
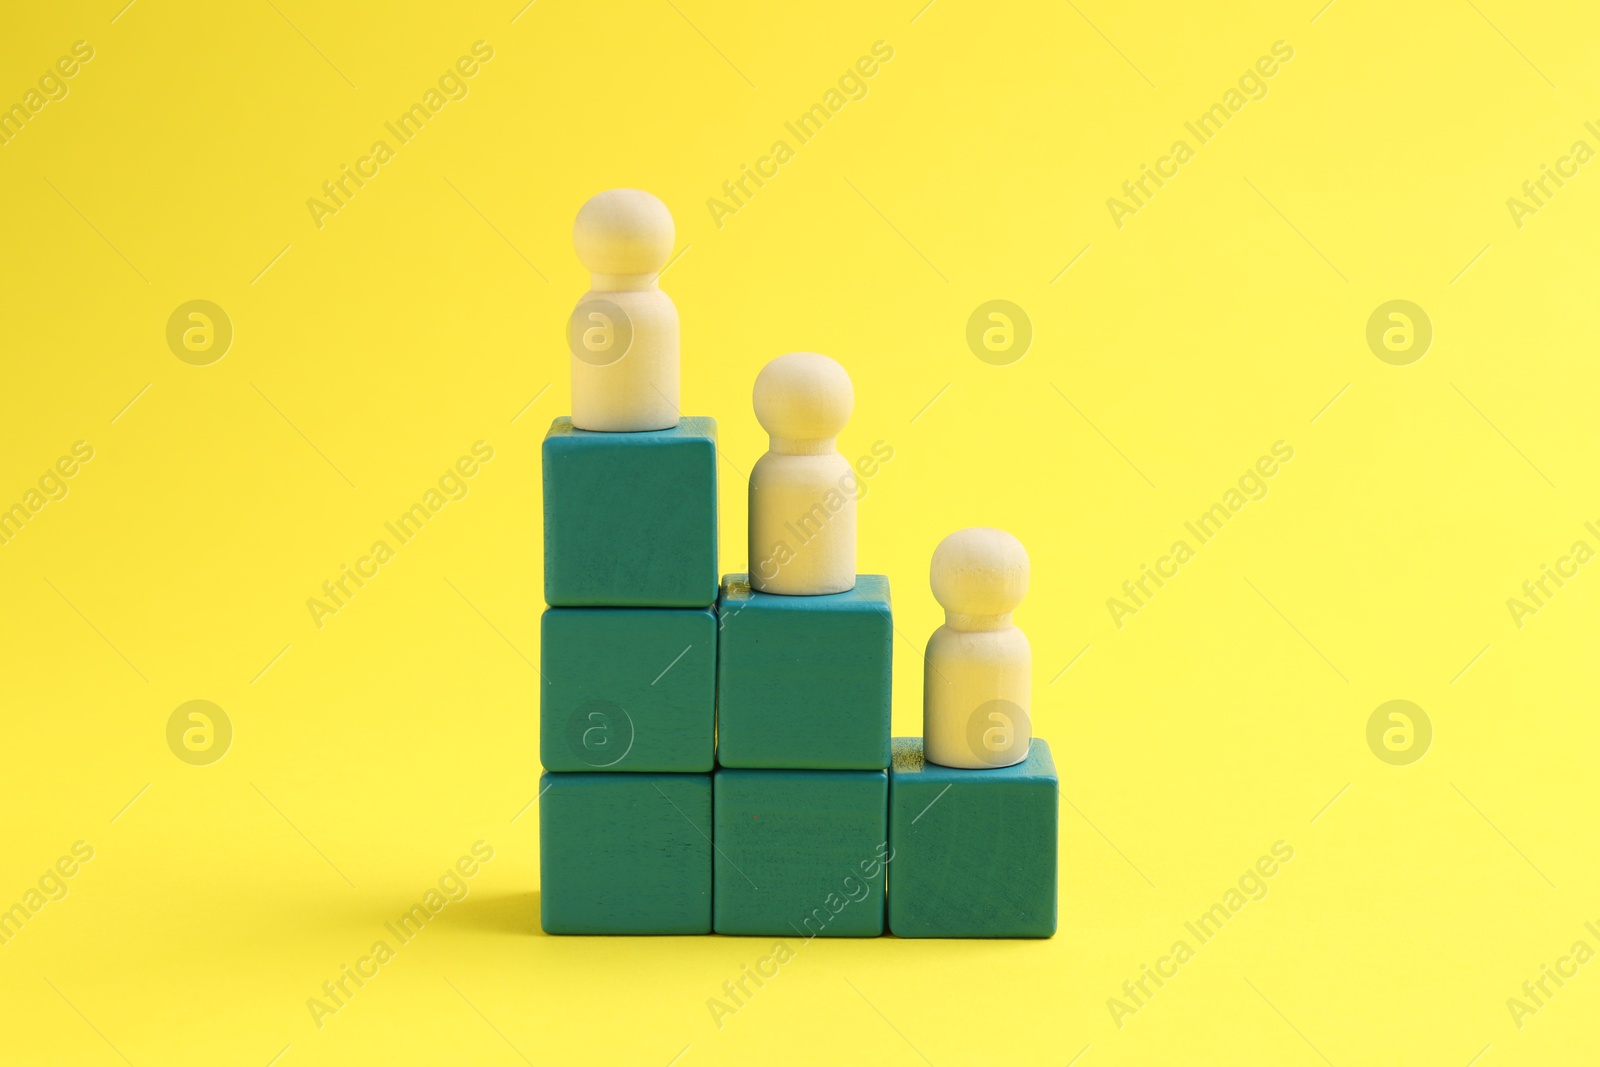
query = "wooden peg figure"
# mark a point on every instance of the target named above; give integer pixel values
(623, 335)
(802, 491)
(978, 678)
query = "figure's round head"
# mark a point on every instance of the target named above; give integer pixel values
(623, 231)
(803, 396)
(979, 571)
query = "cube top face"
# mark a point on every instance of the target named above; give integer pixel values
(627, 689)
(625, 853)
(804, 681)
(871, 593)
(911, 766)
(975, 851)
(630, 519)
(689, 428)
(800, 853)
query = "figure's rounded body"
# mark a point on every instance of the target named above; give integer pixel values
(978, 679)
(977, 687)
(623, 335)
(636, 389)
(802, 524)
(802, 491)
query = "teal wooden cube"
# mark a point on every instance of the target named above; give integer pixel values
(803, 681)
(627, 689)
(630, 519)
(625, 853)
(800, 853)
(974, 850)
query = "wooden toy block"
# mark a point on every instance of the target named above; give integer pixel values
(630, 519)
(974, 850)
(627, 689)
(802, 491)
(978, 671)
(803, 681)
(800, 853)
(625, 853)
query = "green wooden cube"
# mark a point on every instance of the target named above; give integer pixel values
(625, 853)
(974, 850)
(800, 852)
(627, 689)
(803, 681)
(630, 519)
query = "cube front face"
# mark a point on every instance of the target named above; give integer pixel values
(630, 519)
(627, 689)
(800, 853)
(804, 681)
(625, 853)
(974, 850)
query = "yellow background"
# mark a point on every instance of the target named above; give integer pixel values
(425, 316)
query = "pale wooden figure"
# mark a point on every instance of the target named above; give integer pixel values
(624, 332)
(978, 678)
(802, 491)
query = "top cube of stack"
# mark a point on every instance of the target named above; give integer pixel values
(804, 681)
(630, 519)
